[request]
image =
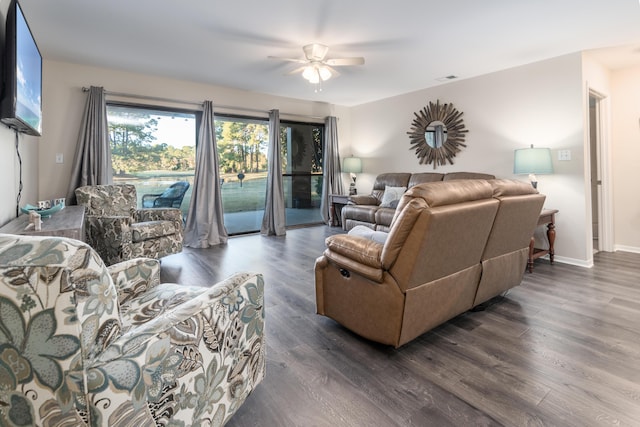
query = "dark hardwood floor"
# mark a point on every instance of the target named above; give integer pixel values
(562, 349)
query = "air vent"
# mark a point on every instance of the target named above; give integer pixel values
(447, 78)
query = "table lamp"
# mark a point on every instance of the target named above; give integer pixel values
(352, 165)
(532, 161)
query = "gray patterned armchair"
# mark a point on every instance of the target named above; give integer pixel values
(119, 231)
(86, 345)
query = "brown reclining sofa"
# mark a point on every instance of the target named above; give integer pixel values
(371, 211)
(451, 246)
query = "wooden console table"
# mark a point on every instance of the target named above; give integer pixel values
(337, 201)
(547, 217)
(68, 222)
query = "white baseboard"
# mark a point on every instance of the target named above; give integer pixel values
(626, 249)
(573, 261)
(589, 263)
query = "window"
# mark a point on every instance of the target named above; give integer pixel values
(152, 148)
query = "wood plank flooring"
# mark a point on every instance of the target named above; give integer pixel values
(562, 349)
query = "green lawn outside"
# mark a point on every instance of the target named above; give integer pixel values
(236, 197)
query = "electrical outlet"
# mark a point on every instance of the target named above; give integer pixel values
(59, 158)
(564, 155)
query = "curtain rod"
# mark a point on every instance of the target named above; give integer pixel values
(224, 107)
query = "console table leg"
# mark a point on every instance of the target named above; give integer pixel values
(551, 235)
(530, 260)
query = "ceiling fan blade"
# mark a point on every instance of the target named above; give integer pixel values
(297, 70)
(337, 62)
(299, 61)
(315, 51)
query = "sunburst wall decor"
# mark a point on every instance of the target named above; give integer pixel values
(437, 134)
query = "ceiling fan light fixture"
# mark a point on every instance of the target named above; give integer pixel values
(309, 73)
(325, 73)
(316, 73)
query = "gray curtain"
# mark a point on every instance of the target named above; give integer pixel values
(273, 221)
(205, 220)
(331, 178)
(92, 160)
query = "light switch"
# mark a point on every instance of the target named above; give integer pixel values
(564, 155)
(59, 158)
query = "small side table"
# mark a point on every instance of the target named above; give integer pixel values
(337, 201)
(547, 217)
(68, 222)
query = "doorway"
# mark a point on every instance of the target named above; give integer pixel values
(601, 225)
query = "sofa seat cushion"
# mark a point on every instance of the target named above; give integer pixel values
(142, 231)
(366, 213)
(384, 216)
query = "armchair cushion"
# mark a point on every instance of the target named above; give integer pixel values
(141, 231)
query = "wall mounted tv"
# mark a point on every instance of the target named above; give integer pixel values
(21, 104)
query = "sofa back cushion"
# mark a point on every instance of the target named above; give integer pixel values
(446, 193)
(421, 178)
(467, 175)
(517, 217)
(445, 232)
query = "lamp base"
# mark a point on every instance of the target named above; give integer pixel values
(352, 189)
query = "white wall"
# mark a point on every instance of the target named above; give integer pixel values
(64, 104)
(540, 104)
(10, 171)
(625, 113)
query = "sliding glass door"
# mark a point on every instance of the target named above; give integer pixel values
(154, 148)
(302, 171)
(242, 150)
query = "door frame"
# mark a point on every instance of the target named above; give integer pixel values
(603, 150)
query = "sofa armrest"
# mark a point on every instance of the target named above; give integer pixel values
(134, 277)
(363, 199)
(359, 249)
(210, 349)
(356, 254)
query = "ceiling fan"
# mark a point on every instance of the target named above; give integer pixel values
(317, 67)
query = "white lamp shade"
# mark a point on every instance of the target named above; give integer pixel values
(532, 160)
(311, 73)
(352, 165)
(324, 72)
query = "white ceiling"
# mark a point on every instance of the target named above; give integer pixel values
(407, 44)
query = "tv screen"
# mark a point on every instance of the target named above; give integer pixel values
(22, 80)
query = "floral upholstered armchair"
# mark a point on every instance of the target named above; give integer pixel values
(119, 231)
(86, 345)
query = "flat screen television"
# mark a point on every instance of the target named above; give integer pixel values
(21, 104)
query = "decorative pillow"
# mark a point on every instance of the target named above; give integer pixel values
(390, 195)
(367, 233)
